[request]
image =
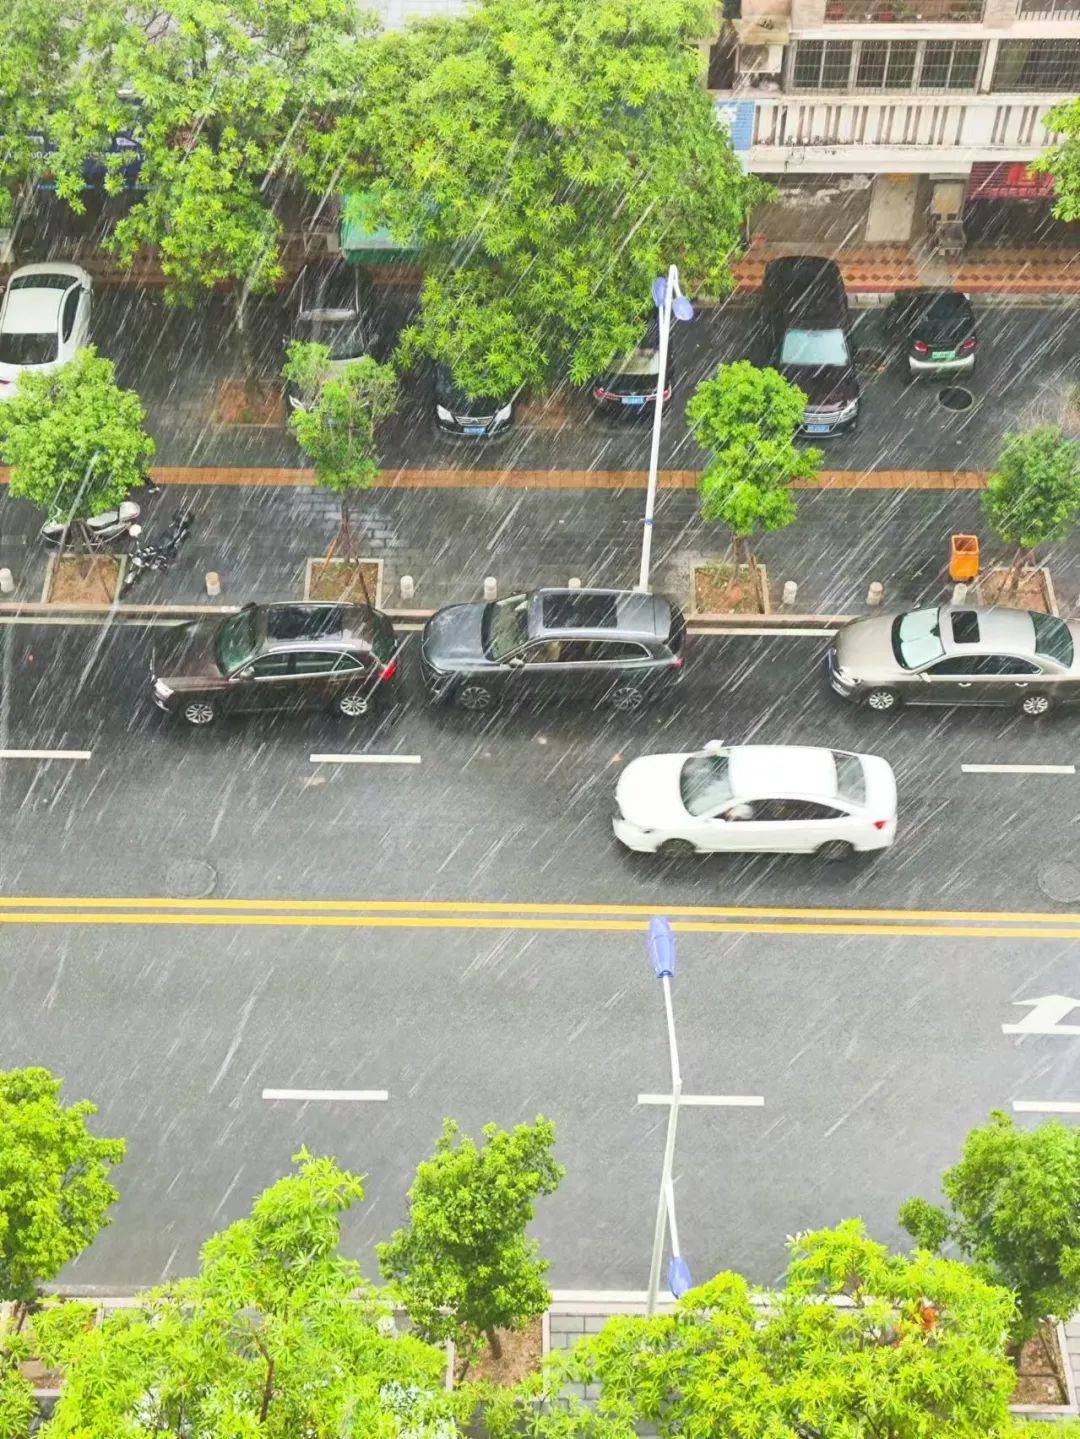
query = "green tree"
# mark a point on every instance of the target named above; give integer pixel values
(1014, 1212)
(1062, 160)
(335, 424)
(747, 418)
(277, 1336)
(74, 439)
(857, 1344)
(552, 160)
(1032, 497)
(463, 1267)
(55, 1190)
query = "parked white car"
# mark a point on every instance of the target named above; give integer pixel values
(44, 320)
(787, 799)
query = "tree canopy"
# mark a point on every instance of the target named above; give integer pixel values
(73, 438)
(1032, 496)
(1014, 1212)
(552, 159)
(276, 1336)
(1063, 159)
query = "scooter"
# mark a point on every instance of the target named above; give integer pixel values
(97, 532)
(160, 556)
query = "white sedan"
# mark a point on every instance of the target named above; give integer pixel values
(787, 799)
(44, 320)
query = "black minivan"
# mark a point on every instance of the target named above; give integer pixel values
(613, 646)
(806, 312)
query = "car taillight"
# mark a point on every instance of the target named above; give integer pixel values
(920, 347)
(968, 345)
(600, 394)
(667, 393)
(677, 663)
(880, 823)
(389, 670)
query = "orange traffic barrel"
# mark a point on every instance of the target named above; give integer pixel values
(964, 558)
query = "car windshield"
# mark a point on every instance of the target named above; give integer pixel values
(505, 627)
(916, 638)
(27, 349)
(643, 360)
(1052, 639)
(236, 642)
(705, 783)
(814, 347)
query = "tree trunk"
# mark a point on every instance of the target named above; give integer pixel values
(268, 1392)
(1015, 572)
(494, 1342)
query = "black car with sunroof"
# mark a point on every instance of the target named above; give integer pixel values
(934, 331)
(606, 646)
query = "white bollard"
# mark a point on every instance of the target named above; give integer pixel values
(407, 587)
(574, 583)
(959, 594)
(7, 581)
(876, 593)
(790, 594)
(491, 588)
(213, 584)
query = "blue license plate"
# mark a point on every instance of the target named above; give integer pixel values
(633, 399)
(474, 429)
(817, 429)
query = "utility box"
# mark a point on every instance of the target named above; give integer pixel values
(963, 558)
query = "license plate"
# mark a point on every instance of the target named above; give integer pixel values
(474, 429)
(943, 355)
(633, 399)
(817, 429)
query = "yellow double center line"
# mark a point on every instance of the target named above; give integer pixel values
(603, 918)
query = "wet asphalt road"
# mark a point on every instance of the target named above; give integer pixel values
(874, 1050)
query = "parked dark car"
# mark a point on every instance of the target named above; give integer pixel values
(608, 645)
(333, 304)
(276, 657)
(806, 313)
(459, 413)
(934, 331)
(630, 384)
(122, 154)
(957, 655)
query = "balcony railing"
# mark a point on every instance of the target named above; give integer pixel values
(908, 12)
(1048, 10)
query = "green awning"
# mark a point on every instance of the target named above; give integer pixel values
(364, 242)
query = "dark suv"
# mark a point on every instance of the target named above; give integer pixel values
(276, 657)
(613, 645)
(806, 312)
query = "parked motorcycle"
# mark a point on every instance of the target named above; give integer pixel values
(94, 533)
(157, 556)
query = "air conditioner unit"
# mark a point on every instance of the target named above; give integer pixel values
(761, 59)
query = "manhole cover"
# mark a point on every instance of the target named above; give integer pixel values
(955, 397)
(1061, 881)
(190, 879)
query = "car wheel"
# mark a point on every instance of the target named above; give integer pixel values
(198, 712)
(1035, 706)
(836, 849)
(627, 698)
(474, 697)
(676, 849)
(882, 700)
(352, 706)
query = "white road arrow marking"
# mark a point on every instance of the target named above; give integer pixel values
(1045, 1016)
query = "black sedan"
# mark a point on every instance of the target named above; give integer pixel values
(276, 657)
(934, 331)
(475, 417)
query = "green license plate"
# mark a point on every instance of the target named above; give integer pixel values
(943, 355)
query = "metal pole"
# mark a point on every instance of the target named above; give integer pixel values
(654, 453)
(669, 1154)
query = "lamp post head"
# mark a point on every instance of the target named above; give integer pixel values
(661, 947)
(678, 1276)
(681, 308)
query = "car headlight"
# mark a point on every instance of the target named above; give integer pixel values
(443, 413)
(162, 691)
(501, 416)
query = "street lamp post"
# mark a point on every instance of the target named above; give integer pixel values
(670, 301)
(662, 954)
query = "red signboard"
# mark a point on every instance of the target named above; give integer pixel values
(1008, 182)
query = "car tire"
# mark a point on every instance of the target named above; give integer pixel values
(199, 712)
(474, 697)
(353, 705)
(881, 700)
(1036, 705)
(835, 851)
(627, 698)
(676, 849)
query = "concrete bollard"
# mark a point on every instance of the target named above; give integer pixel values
(213, 584)
(407, 587)
(876, 593)
(959, 594)
(7, 581)
(790, 594)
(574, 583)
(491, 588)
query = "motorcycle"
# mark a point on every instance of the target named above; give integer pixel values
(96, 532)
(157, 556)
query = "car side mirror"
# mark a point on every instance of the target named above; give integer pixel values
(515, 662)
